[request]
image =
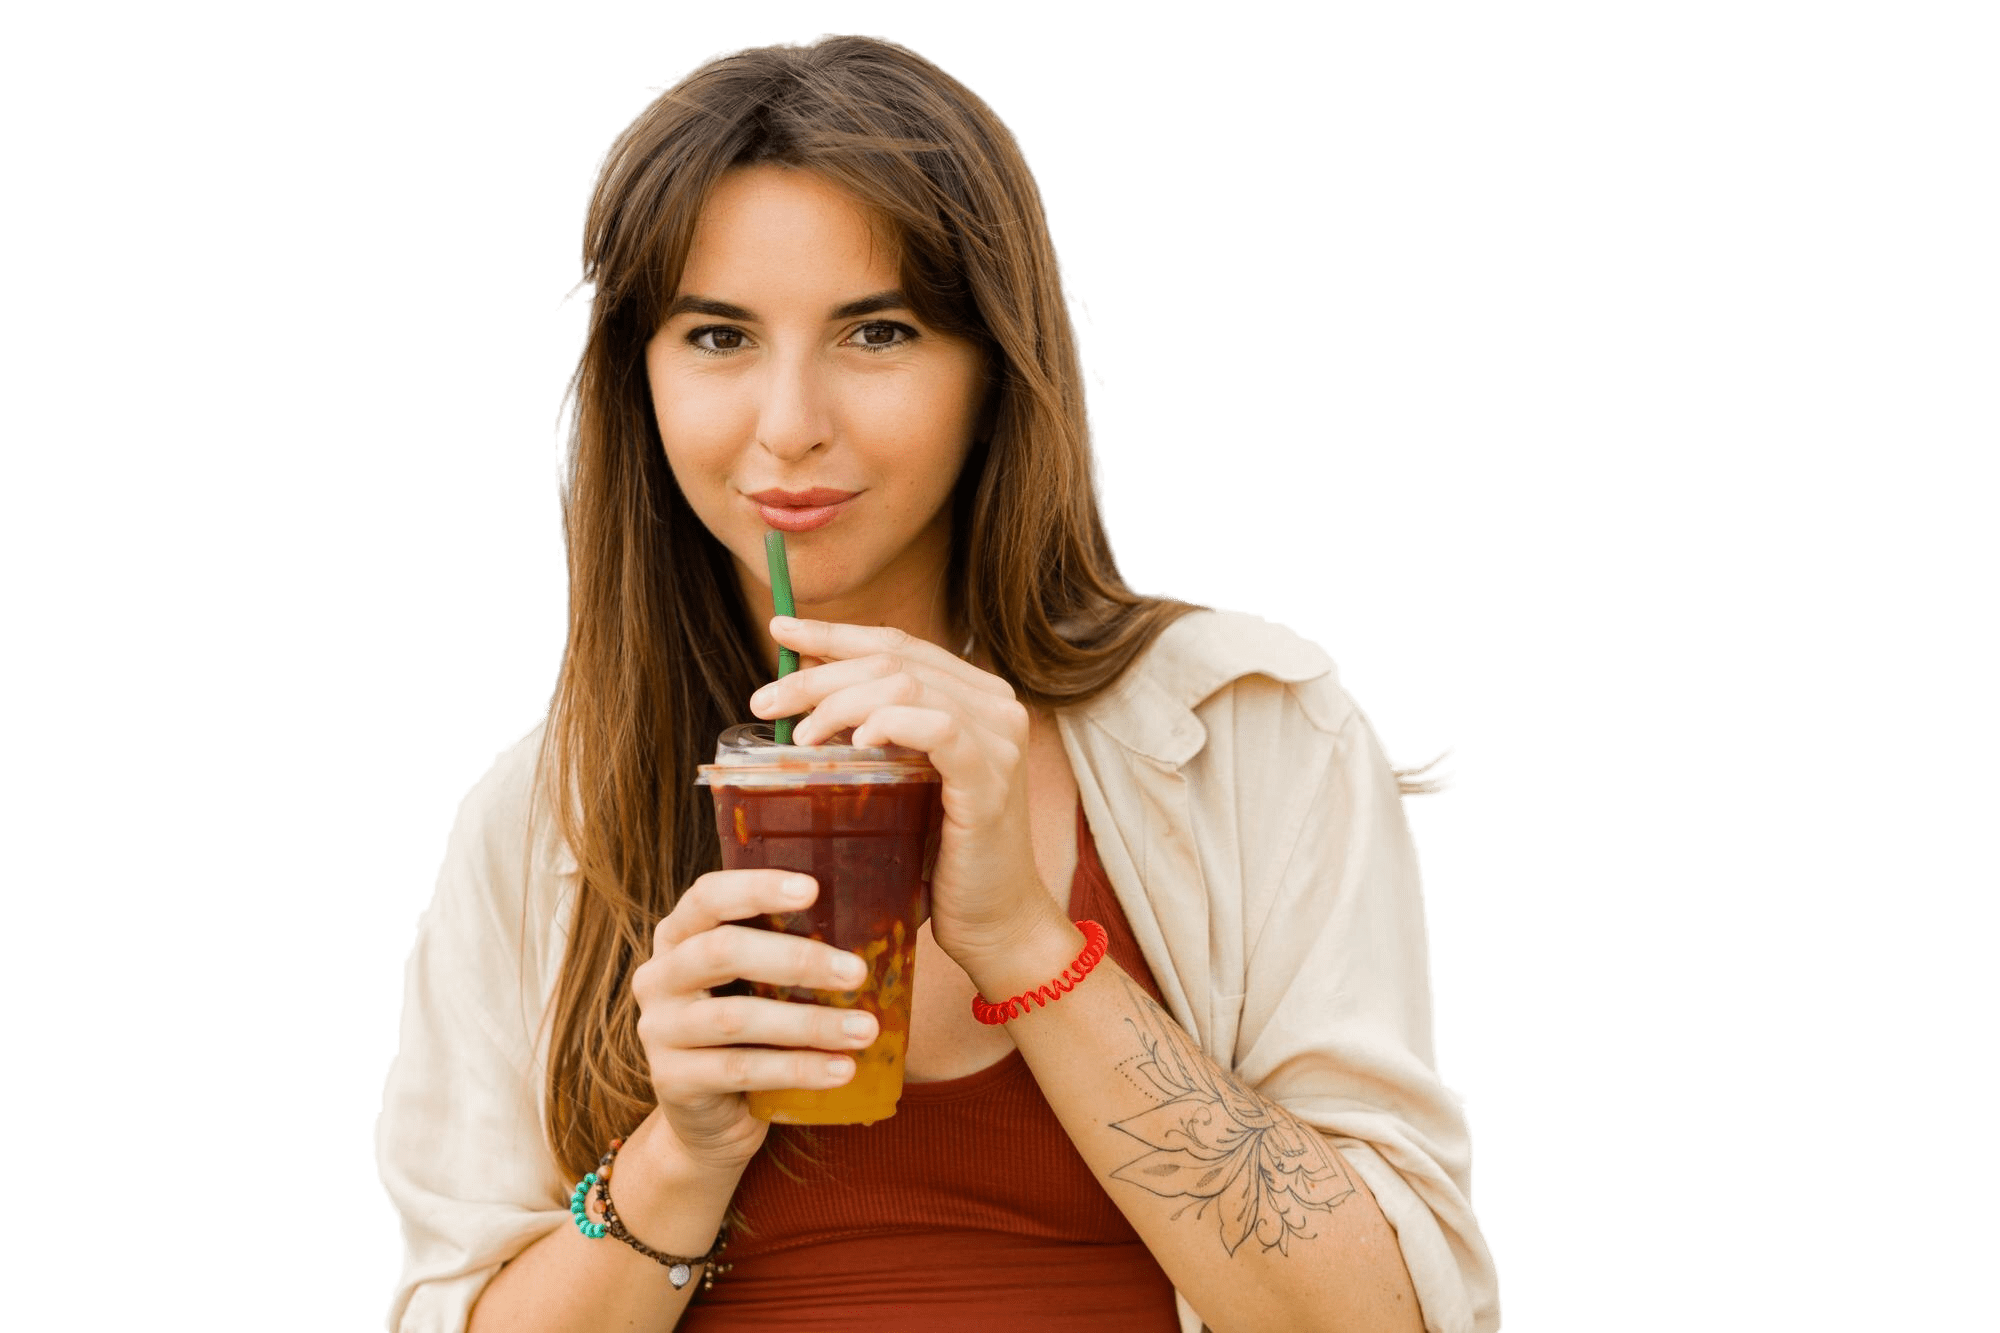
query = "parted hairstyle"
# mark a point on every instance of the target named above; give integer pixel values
(660, 654)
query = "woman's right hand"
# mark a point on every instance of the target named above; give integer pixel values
(705, 1050)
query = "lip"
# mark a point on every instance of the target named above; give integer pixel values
(815, 498)
(800, 511)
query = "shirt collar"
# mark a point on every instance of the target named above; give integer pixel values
(1150, 709)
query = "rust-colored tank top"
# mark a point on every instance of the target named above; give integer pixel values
(969, 1209)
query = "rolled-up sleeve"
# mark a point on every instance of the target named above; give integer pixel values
(1336, 1021)
(460, 1142)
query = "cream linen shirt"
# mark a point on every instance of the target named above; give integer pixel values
(1254, 835)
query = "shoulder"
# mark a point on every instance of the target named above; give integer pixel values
(1219, 668)
(1269, 710)
(504, 808)
(503, 857)
(1213, 645)
(506, 789)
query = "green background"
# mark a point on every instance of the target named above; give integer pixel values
(1611, 389)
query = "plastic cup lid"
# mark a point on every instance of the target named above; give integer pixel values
(749, 751)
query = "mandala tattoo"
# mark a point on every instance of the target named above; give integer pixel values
(1218, 1145)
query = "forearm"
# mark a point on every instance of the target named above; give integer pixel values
(565, 1281)
(1255, 1218)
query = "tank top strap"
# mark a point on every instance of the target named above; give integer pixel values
(1091, 898)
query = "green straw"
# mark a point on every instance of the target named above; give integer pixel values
(781, 600)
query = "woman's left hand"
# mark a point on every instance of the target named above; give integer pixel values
(894, 689)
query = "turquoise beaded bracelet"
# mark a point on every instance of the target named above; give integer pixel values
(680, 1268)
(579, 1197)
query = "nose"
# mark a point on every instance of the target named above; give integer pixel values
(792, 416)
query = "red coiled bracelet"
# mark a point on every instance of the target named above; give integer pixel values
(1095, 942)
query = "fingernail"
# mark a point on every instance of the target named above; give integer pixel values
(857, 1025)
(799, 890)
(760, 700)
(783, 622)
(850, 969)
(839, 1066)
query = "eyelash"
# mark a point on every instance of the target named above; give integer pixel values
(909, 335)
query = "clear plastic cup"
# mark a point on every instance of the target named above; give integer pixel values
(862, 821)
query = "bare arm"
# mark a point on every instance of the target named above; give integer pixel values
(1290, 1238)
(566, 1282)
(1258, 1221)
(677, 1172)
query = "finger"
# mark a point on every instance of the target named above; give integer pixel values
(854, 705)
(831, 641)
(797, 693)
(705, 1072)
(850, 707)
(731, 895)
(809, 685)
(729, 953)
(959, 753)
(748, 1020)
(801, 691)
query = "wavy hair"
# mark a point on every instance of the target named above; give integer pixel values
(660, 652)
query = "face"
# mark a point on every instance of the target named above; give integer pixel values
(795, 389)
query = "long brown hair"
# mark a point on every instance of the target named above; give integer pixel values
(659, 657)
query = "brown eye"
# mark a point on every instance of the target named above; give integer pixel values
(883, 333)
(716, 339)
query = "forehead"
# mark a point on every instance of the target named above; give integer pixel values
(786, 234)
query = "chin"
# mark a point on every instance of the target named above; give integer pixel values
(818, 589)
(812, 581)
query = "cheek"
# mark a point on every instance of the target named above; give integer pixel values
(967, 406)
(697, 426)
(928, 424)
(918, 442)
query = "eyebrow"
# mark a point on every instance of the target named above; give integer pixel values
(705, 305)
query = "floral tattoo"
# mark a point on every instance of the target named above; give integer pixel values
(1215, 1143)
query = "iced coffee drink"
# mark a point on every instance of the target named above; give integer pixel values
(863, 822)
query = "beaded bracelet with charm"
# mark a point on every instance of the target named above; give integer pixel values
(597, 1184)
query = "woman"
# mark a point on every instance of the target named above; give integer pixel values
(826, 302)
